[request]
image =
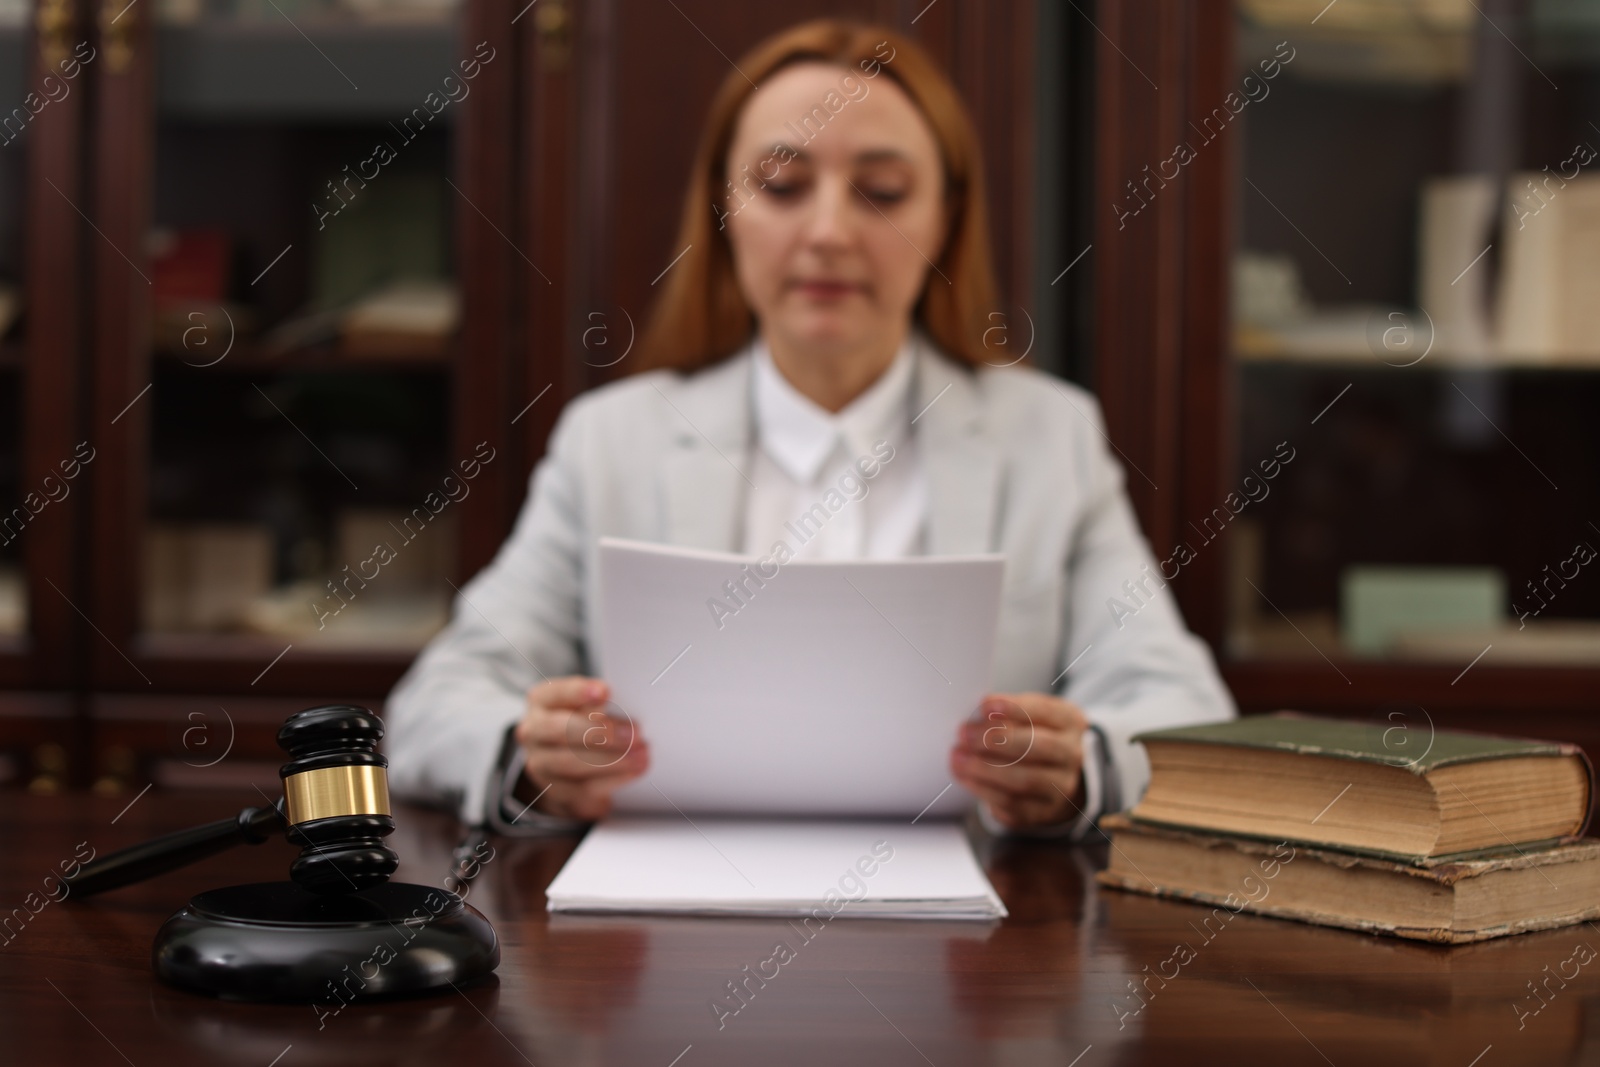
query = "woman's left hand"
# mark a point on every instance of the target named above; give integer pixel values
(1024, 758)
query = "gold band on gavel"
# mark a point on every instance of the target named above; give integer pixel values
(329, 791)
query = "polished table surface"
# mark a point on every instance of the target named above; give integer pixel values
(1049, 985)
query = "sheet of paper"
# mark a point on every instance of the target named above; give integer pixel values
(806, 689)
(819, 869)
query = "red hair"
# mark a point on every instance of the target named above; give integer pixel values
(701, 317)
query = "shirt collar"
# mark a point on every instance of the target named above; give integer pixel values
(800, 435)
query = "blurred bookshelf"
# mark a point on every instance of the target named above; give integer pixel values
(253, 358)
(253, 531)
(1417, 44)
(1425, 340)
(260, 70)
(304, 309)
(292, 362)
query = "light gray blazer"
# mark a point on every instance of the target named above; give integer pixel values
(1017, 462)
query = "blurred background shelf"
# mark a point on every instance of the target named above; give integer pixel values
(300, 336)
(1566, 643)
(224, 666)
(1413, 307)
(207, 652)
(1363, 360)
(256, 71)
(253, 358)
(1413, 43)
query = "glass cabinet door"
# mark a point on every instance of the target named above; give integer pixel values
(303, 314)
(280, 309)
(1416, 333)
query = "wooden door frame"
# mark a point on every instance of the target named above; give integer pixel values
(42, 702)
(487, 261)
(1161, 287)
(51, 423)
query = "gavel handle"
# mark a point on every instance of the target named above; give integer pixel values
(168, 853)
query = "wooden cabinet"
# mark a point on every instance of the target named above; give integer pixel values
(284, 268)
(198, 221)
(1285, 255)
(43, 486)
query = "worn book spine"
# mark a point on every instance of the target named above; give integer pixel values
(1437, 935)
(1355, 853)
(1365, 742)
(1368, 742)
(1443, 874)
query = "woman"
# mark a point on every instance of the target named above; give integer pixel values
(832, 304)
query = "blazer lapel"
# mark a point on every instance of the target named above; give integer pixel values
(960, 457)
(704, 479)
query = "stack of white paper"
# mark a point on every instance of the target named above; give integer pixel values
(821, 689)
(815, 871)
(817, 690)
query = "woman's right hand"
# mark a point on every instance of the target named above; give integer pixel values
(577, 754)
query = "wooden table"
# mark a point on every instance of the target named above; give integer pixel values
(1049, 985)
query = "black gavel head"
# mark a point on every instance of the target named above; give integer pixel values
(336, 799)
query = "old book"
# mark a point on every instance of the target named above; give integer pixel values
(1379, 604)
(409, 551)
(203, 576)
(189, 266)
(407, 319)
(1455, 220)
(1399, 790)
(1549, 299)
(1452, 902)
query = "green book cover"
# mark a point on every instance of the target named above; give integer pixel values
(1404, 746)
(1418, 748)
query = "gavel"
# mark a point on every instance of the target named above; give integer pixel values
(335, 806)
(340, 930)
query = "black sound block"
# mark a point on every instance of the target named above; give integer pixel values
(277, 942)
